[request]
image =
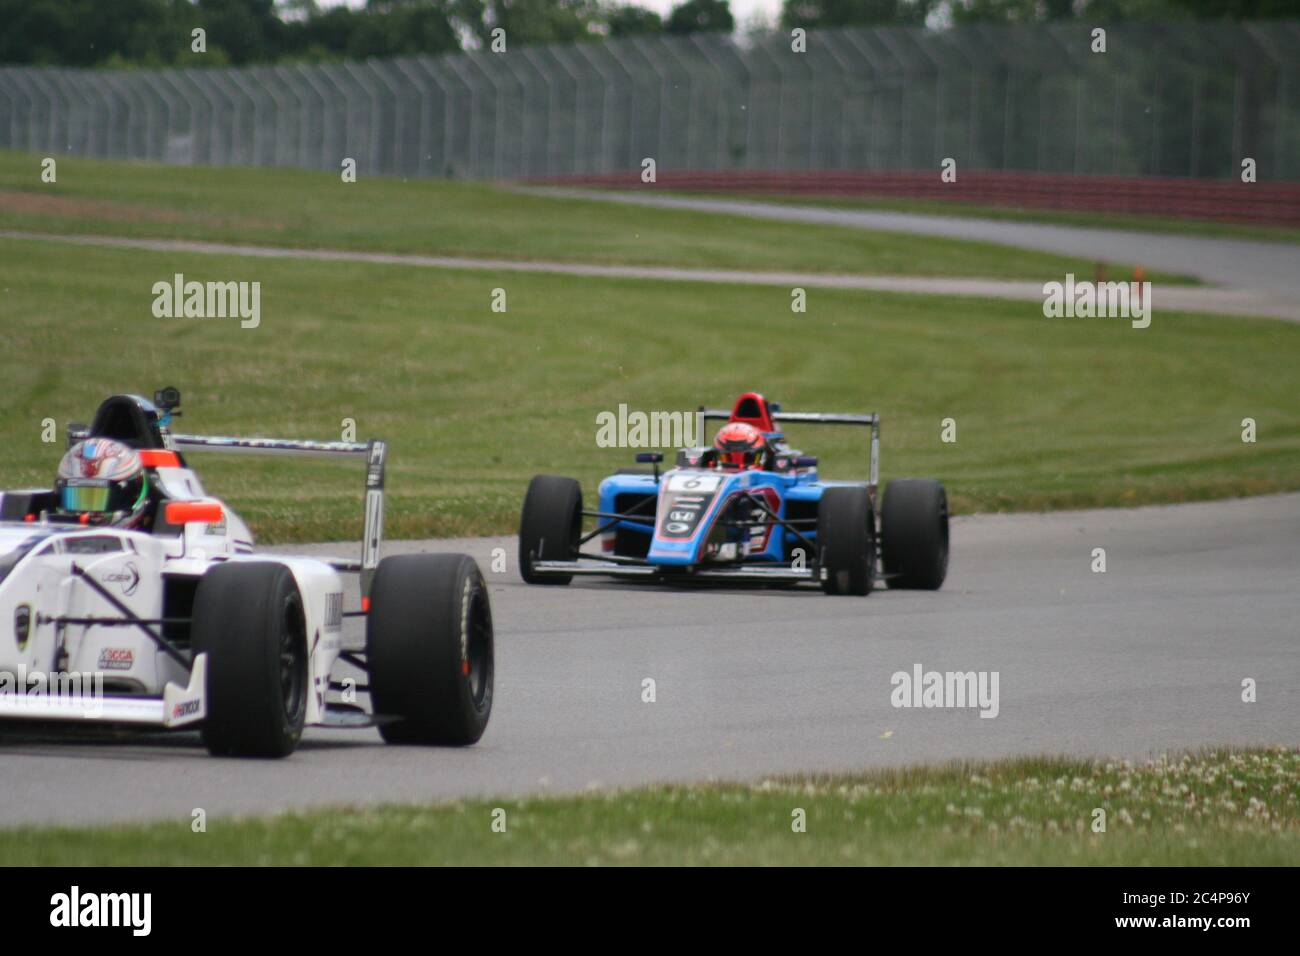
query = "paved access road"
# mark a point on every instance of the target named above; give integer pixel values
(1265, 266)
(1174, 298)
(1147, 656)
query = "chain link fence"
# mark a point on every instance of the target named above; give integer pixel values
(1171, 100)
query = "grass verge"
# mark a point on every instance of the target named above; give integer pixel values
(1050, 413)
(306, 209)
(1216, 808)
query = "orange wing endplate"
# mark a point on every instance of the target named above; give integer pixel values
(189, 512)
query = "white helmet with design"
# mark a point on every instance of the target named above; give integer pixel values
(103, 481)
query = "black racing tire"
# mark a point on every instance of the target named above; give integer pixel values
(550, 526)
(248, 620)
(914, 534)
(429, 649)
(846, 541)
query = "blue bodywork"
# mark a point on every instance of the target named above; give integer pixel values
(690, 500)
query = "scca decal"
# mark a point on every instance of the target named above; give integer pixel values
(116, 659)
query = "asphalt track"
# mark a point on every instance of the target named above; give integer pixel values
(1148, 656)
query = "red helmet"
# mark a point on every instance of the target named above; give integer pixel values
(741, 445)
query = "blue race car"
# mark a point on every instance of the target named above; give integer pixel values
(747, 508)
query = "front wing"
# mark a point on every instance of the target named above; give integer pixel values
(177, 707)
(772, 574)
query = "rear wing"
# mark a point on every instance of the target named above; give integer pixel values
(871, 421)
(374, 453)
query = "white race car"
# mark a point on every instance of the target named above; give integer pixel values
(174, 622)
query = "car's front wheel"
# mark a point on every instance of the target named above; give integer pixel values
(846, 541)
(550, 526)
(248, 620)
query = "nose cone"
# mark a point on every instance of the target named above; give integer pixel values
(688, 506)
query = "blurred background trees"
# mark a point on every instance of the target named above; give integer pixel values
(158, 32)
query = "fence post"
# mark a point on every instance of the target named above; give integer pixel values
(422, 136)
(613, 47)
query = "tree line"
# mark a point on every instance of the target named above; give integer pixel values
(160, 32)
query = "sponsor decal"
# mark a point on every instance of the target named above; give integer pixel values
(127, 578)
(466, 593)
(22, 625)
(186, 708)
(116, 659)
(334, 611)
(686, 498)
(375, 465)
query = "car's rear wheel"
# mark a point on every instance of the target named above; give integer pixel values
(550, 526)
(429, 649)
(914, 533)
(248, 620)
(846, 541)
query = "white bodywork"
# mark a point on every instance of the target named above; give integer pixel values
(122, 675)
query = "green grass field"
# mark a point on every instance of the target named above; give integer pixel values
(1058, 217)
(1050, 413)
(1211, 809)
(296, 208)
